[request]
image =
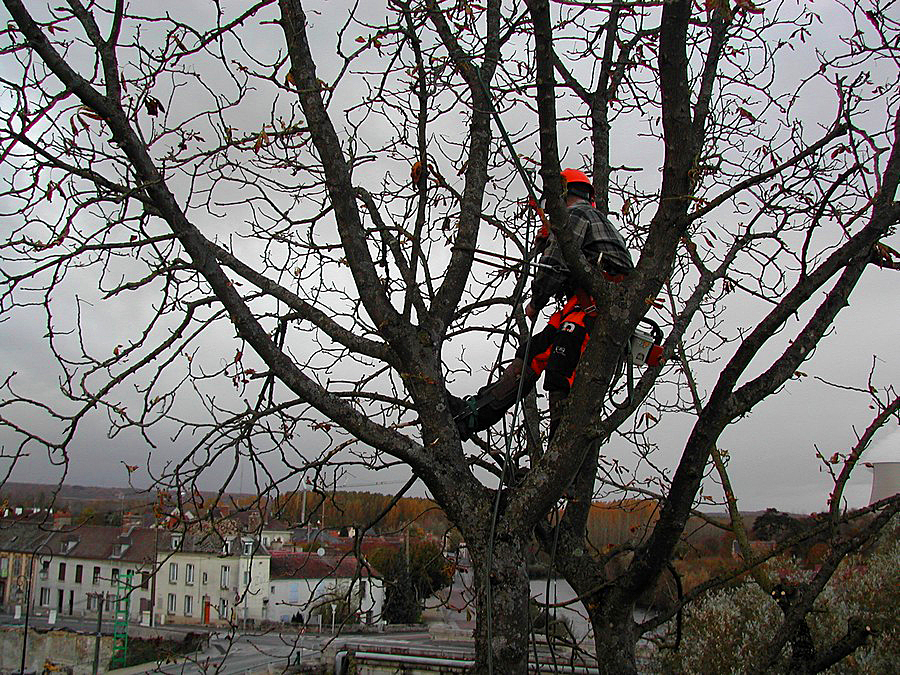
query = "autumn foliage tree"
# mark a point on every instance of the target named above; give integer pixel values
(236, 181)
(410, 577)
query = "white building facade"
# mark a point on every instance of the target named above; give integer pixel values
(309, 584)
(75, 570)
(206, 579)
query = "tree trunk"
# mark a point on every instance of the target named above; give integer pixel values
(614, 637)
(502, 626)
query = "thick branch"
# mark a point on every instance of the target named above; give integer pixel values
(337, 177)
(448, 296)
(203, 257)
(304, 310)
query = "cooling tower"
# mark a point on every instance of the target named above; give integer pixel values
(885, 480)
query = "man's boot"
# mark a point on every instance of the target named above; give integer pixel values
(476, 413)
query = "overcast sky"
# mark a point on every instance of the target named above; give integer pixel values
(773, 452)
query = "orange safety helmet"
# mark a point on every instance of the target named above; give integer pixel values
(578, 184)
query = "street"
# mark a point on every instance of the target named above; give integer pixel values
(233, 653)
(230, 656)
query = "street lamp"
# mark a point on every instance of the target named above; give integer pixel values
(20, 593)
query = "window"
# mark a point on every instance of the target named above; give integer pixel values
(79, 571)
(188, 605)
(189, 573)
(226, 548)
(45, 597)
(248, 548)
(115, 576)
(45, 568)
(62, 571)
(96, 578)
(89, 605)
(224, 576)
(362, 587)
(246, 578)
(176, 542)
(205, 578)
(173, 572)
(17, 567)
(171, 604)
(145, 580)
(223, 608)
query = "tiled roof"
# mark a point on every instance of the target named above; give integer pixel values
(23, 537)
(206, 540)
(316, 534)
(93, 542)
(286, 565)
(279, 525)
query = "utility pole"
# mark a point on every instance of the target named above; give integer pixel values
(303, 515)
(100, 599)
(27, 612)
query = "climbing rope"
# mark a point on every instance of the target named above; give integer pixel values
(517, 300)
(624, 365)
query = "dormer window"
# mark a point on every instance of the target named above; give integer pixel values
(176, 542)
(248, 547)
(226, 548)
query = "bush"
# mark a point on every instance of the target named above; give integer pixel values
(728, 631)
(160, 650)
(865, 588)
(337, 603)
(723, 633)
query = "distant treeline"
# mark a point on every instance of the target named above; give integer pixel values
(338, 509)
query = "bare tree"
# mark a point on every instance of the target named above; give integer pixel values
(251, 193)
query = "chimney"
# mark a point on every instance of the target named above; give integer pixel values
(61, 519)
(130, 520)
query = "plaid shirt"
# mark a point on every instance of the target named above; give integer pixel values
(597, 238)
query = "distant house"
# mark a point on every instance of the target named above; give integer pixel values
(343, 541)
(276, 535)
(18, 544)
(209, 577)
(307, 582)
(303, 537)
(73, 569)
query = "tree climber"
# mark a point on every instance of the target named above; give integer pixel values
(558, 347)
